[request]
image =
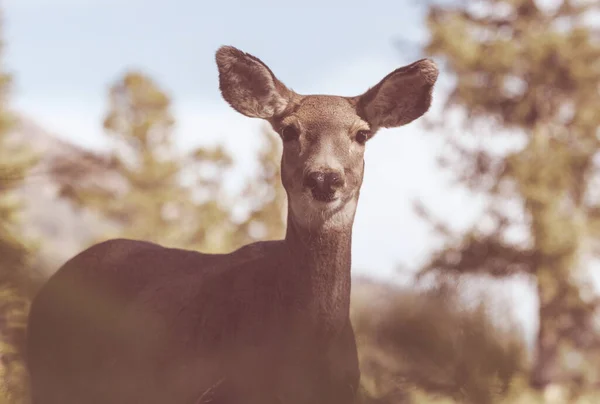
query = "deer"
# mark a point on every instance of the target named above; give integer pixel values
(129, 321)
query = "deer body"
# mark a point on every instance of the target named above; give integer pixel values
(132, 322)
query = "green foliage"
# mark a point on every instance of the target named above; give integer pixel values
(15, 279)
(177, 199)
(155, 204)
(536, 72)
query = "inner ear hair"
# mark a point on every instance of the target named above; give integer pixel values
(401, 97)
(249, 85)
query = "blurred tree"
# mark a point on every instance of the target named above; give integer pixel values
(176, 199)
(265, 195)
(160, 195)
(531, 71)
(15, 278)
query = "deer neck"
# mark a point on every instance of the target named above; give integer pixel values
(321, 263)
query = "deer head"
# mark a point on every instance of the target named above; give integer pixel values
(323, 136)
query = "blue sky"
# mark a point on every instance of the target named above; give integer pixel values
(73, 48)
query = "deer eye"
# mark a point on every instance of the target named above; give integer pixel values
(362, 136)
(289, 133)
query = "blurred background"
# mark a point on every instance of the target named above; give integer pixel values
(476, 242)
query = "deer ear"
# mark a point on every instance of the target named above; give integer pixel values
(249, 86)
(401, 97)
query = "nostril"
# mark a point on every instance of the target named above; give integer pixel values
(334, 180)
(314, 180)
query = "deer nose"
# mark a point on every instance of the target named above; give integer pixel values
(324, 182)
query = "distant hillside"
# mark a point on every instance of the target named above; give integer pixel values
(63, 229)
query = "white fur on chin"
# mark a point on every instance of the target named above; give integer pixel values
(314, 215)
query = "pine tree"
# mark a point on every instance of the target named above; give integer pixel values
(530, 75)
(173, 198)
(160, 194)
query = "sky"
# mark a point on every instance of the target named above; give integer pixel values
(66, 53)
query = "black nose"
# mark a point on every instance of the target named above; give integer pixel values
(324, 182)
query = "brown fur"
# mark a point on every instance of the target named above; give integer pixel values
(132, 322)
